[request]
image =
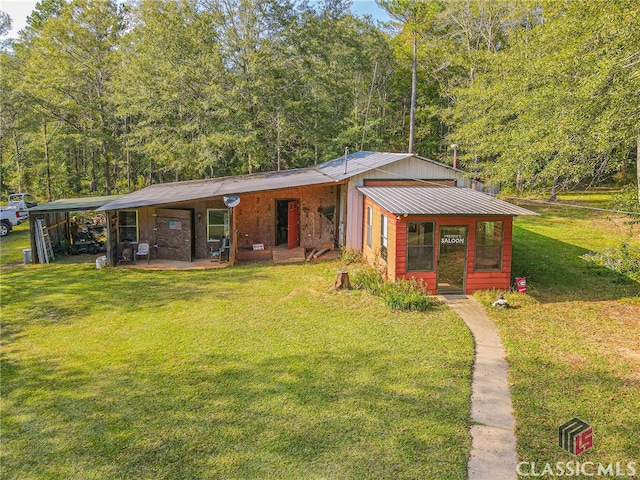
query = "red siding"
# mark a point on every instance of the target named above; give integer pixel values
(480, 280)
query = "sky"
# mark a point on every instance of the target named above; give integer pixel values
(19, 10)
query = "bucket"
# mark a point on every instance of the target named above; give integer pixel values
(26, 256)
(521, 283)
(101, 262)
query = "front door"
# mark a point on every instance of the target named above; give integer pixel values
(173, 229)
(452, 259)
(293, 224)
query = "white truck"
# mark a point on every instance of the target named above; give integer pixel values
(23, 202)
(9, 218)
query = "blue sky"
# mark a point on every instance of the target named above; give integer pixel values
(19, 10)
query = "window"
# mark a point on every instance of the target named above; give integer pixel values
(128, 225)
(369, 226)
(420, 246)
(384, 233)
(217, 223)
(489, 245)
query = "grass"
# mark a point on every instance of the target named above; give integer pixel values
(573, 340)
(11, 245)
(250, 372)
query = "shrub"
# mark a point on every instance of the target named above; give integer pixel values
(402, 295)
(367, 278)
(406, 295)
(350, 256)
(627, 201)
(624, 259)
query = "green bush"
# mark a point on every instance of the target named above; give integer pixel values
(350, 256)
(624, 260)
(627, 201)
(367, 278)
(401, 295)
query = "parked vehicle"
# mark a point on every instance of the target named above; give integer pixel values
(23, 202)
(9, 218)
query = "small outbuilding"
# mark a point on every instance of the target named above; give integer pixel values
(456, 240)
(63, 229)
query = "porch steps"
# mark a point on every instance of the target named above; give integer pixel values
(284, 255)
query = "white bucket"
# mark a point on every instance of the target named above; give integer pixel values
(101, 262)
(26, 256)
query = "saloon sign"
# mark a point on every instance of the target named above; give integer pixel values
(452, 239)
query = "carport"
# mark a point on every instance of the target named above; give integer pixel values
(57, 217)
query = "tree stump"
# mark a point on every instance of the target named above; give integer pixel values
(342, 281)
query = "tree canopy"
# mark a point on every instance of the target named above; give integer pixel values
(102, 97)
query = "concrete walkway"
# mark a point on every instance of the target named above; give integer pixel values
(493, 442)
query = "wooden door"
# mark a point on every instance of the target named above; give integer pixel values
(173, 229)
(293, 224)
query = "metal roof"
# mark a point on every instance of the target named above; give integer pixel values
(163, 193)
(74, 204)
(359, 162)
(440, 201)
(328, 172)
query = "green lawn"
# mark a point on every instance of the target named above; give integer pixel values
(11, 245)
(573, 340)
(251, 372)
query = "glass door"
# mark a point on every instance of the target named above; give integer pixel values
(452, 259)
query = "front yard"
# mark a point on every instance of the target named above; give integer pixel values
(573, 341)
(265, 372)
(251, 372)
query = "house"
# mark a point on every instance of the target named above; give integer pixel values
(324, 206)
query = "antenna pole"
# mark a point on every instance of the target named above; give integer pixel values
(346, 152)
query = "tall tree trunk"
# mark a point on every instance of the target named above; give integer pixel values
(107, 173)
(638, 165)
(18, 163)
(554, 190)
(278, 149)
(414, 81)
(46, 160)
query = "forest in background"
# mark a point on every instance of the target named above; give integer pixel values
(104, 97)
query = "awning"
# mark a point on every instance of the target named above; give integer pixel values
(440, 201)
(74, 204)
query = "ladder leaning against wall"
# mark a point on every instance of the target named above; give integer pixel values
(43, 242)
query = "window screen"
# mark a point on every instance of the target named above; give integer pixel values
(420, 246)
(489, 245)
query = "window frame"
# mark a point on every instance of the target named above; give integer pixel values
(121, 226)
(384, 236)
(225, 226)
(482, 246)
(369, 230)
(433, 247)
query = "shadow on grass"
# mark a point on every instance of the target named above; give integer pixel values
(60, 293)
(590, 391)
(324, 415)
(557, 272)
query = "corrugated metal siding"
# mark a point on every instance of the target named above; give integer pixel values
(440, 201)
(359, 162)
(413, 168)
